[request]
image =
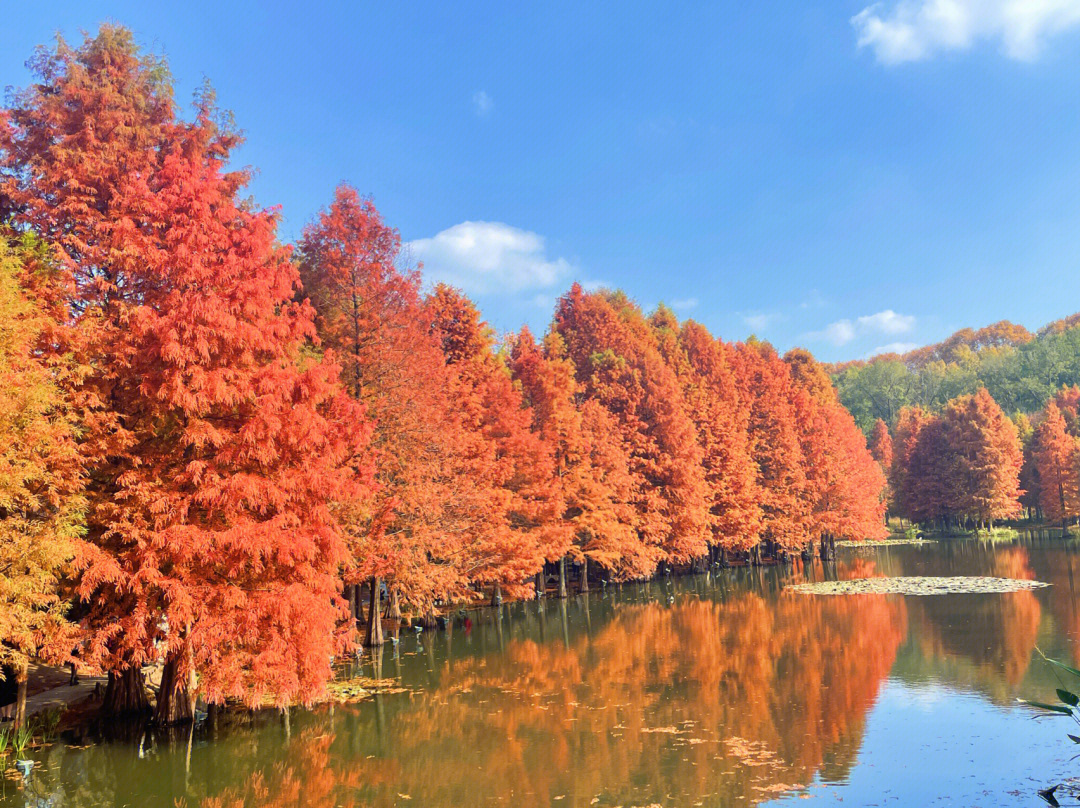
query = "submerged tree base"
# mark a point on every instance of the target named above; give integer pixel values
(916, 585)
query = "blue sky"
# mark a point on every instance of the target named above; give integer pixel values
(818, 173)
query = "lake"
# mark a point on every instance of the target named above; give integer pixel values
(710, 690)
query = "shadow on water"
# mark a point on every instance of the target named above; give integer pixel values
(716, 689)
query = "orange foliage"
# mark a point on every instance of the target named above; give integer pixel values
(963, 465)
(213, 444)
(620, 367)
(1055, 454)
(764, 380)
(256, 430)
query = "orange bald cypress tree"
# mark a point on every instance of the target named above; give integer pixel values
(989, 454)
(216, 443)
(881, 449)
(1055, 454)
(845, 484)
(508, 466)
(722, 419)
(909, 423)
(591, 474)
(41, 477)
(765, 381)
(1067, 400)
(619, 366)
(935, 476)
(371, 313)
(881, 445)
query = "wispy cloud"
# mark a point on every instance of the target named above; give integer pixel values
(684, 304)
(887, 322)
(839, 333)
(489, 257)
(911, 30)
(893, 347)
(482, 103)
(844, 331)
(760, 321)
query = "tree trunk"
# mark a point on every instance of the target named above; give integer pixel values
(584, 574)
(356, 604)
(540, 584)
(22, 675)
(374, 632)
(173, 702)
(395, 612)
(496, 595)
(562, 577)
(125, 694)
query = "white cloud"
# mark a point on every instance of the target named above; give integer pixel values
(893, 347)
(887, 322)
(685, 303)
(482, 103)
(761, 320)
(844, 331)
(839, 333)
(486, 257)
(910, 30)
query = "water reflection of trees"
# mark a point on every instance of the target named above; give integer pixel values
(978, 641)
(730, 699)
(729, 694)
(1061, 568)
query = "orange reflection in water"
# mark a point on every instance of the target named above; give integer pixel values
(731, 700)
(983, 641)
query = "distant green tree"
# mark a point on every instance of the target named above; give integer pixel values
(1020, 372)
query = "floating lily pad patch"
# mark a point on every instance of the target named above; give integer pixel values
(916, 585)
(883, 543)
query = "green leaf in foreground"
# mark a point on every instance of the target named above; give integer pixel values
(1054, 708)
(1067, 697)
(1063, 666)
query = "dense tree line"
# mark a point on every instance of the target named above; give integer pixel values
(969, 464)
(214, 447)
(959, 468)
(963, 464)
(1021, 371)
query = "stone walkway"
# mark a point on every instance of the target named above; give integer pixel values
(63, 696)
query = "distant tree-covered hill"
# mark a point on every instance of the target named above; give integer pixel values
(1020, 369)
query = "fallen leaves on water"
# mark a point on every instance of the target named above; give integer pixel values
(360, 688)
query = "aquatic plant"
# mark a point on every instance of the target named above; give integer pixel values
(1069, 702)
(48, 721)
(21, 738)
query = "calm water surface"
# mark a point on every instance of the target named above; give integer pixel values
(705, 691)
